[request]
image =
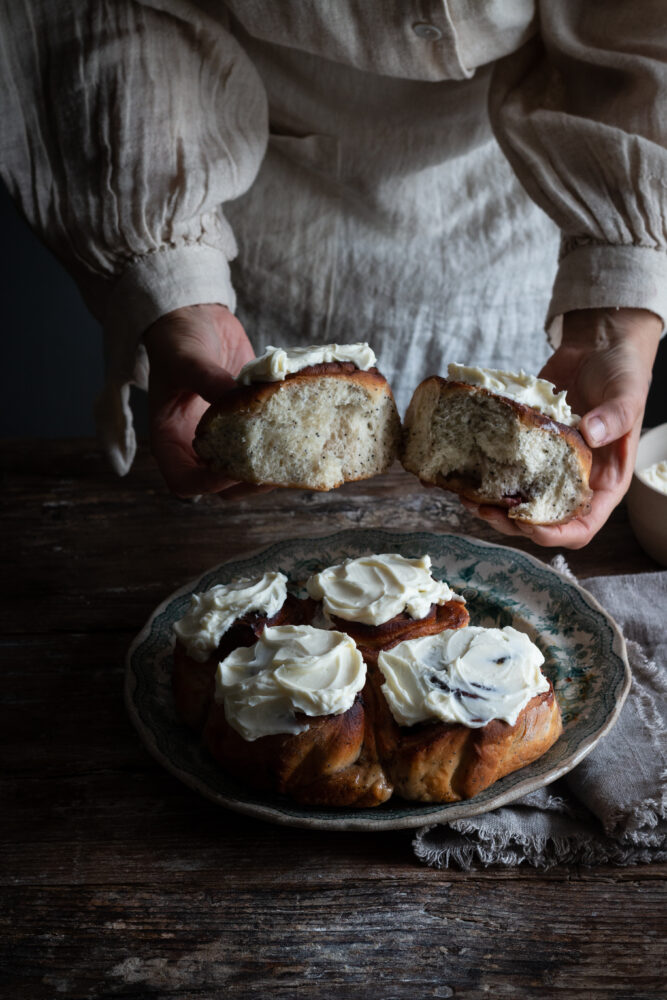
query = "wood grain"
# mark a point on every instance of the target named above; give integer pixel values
(117, 881)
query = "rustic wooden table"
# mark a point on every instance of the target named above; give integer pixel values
(118, 881)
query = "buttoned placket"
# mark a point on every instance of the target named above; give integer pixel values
(431, 24)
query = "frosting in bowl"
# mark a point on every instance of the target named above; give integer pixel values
(656, 476)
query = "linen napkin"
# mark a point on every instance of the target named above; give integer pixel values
(612, 808)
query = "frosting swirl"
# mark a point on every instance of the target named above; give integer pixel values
(521, 387)
(375, 588)
(291, 668)
(656, 476)
(214, 611)
(278, 362)
(469, 675)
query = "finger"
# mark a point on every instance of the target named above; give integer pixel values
(611, 420)
(612, 465)
(206, 380)
(239, 491)
(181, 468)
(578, 532)
(496, 518)
(573, 535)
(186, 477)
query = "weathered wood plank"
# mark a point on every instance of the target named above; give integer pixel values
(382, 940)
(152, 835)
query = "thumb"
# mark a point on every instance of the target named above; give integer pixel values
(210, 381)
(611, 420)
(195, 371)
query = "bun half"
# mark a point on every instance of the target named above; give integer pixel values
(319, 428)
(493, 450)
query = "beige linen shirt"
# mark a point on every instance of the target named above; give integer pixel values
(440, 178)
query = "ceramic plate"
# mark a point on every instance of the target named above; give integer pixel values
(583, 649)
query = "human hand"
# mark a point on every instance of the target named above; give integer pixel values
(194, 353)
(604, 362)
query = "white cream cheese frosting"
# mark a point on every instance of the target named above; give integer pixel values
(656, 476)
(277, 362)
(469, 675)
(375, 588)
(519, 386)
(292, 668)
(213, 612)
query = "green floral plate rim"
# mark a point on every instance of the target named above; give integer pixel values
(584, 652)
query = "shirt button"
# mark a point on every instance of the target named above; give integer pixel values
(427, 31)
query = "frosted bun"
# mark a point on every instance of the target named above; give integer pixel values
(323, 426)
(440, 762)
(495, 450)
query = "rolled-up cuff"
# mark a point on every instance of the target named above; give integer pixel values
(605, 277)
(166, 280)
(150, 287)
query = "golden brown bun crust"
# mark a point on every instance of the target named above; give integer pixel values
(441, 762)
(371, 639)
(246, 398)
(193, 683)
(332, 763)
(531, 419)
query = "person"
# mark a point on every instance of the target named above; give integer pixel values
(443, 180)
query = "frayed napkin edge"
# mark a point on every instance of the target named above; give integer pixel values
(538, 852)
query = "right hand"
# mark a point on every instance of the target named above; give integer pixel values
(194, 354)
(604, 362)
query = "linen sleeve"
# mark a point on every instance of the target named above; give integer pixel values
(581, 114)
(126, 126)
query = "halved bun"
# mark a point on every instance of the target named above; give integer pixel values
(494, 450)
(323, 426)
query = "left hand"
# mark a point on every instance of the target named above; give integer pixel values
(194, 354)
(604, 362)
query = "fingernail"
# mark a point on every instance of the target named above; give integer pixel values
(595, 430)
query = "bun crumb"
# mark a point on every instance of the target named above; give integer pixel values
(493, 450)
(310, 431)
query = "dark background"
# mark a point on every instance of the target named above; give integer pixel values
(52, 347)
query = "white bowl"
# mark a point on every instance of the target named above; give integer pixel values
(647, 507)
